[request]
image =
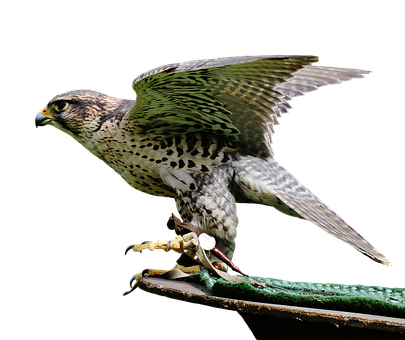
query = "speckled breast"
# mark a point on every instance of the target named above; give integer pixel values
(138, 160)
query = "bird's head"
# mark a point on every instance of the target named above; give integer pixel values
(82, 113)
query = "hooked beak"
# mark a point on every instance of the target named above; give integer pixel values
(43, 117)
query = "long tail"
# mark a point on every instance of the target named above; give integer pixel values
(266, 182)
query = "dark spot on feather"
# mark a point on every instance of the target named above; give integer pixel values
(179, 152)
(214, 154)
(177, 140)
(225, 158)
(191, 164)
(205, 153)
(189, 148)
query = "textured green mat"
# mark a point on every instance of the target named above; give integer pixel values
(349, 298)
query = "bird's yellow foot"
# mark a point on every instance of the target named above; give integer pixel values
(175, 273)
(179, 244)
(162, 272)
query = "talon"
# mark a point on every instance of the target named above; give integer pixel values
(168, 245)
(133, 286)
(131, 278)
(145, 273)
(129, 248)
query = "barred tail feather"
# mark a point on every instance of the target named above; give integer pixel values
(266, 182)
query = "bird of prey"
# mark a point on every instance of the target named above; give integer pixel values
(201, 133)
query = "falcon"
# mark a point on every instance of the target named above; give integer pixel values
(201, 133)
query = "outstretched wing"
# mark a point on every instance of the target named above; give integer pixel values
(238, 98)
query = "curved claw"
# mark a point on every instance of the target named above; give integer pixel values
(145, 273)
(168, 245)
(128, 249)
(131, 278)
(132, 288)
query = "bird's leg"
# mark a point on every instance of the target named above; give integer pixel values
(192, 244)
(181, 228)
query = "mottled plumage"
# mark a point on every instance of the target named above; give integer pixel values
(200, 132)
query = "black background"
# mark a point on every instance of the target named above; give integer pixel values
(338, 142)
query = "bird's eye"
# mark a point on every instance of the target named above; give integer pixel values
(61, 106)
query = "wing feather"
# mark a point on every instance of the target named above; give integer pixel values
(238, 98)
(266, 178)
